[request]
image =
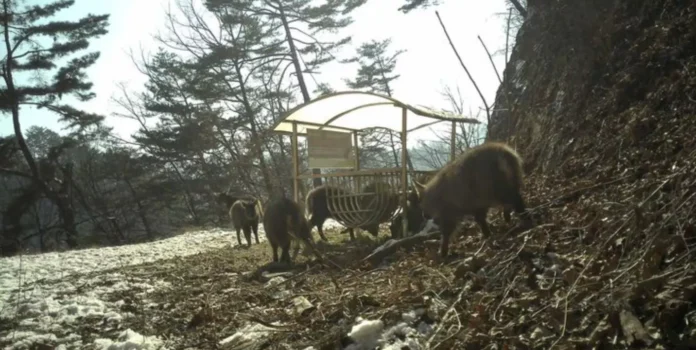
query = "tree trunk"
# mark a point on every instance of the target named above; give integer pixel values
(66, 214)
(141, 209)
(41, 230)
(393, 148)
(187, 196)
(85, 205)
(246, 176)
(64, 203)
(255, 137)
(298, 71)
(519, 8)
(11, 220)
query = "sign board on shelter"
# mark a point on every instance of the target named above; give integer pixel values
(330, 149)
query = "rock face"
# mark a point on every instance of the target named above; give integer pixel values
(616, 79)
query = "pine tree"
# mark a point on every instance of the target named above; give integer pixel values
(323, 89)
(300, 23)
(226, 60)
(322, 18)
(25, 30)
(184, 128)
(376, 66)
(41, 140)
(177, 129)
(411, 5)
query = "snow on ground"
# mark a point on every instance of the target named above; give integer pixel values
(57, 265)
(246, 336)
(128, 340)
(411, 333)
(54, 311)
(253, 335)
(50, 295)
(48, 307)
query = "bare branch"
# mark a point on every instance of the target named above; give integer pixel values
(490, 58)
(488, 113)
(519, 7)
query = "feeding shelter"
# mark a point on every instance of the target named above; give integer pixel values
(331, 123)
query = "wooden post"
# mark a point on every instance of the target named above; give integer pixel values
(404, 174)
(295, 164)
(453, 140)
(356, 150)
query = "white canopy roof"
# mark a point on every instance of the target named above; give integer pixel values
(348, 111)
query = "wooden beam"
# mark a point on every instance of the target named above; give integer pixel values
(404, 174)
(295, 165)
(453, 140)
(351, 173)
(357, 158)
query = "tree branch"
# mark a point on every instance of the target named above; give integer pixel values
(490, 58)
(488, 113)
(519, 8)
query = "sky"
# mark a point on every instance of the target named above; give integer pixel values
(427, 66)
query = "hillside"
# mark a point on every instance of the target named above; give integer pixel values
(599, 100)
(602, 107)
(601, 87)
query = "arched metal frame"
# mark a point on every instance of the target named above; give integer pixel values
(352, 207)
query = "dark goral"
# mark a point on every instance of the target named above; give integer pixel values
(244, 217)
(414, 214)
(226, 199)
(283, 221)
(483, 177)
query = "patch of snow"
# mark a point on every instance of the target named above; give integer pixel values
(248, 334)
(400, 336)
(27, 339)
(409, 317)
(407, 334)
(282, 293)
(275, 280)
(130, 340)
(20, 270)
(51, 295)
(331, 223)
(366, 333)
(56, 310)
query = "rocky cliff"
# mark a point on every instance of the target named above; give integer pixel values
(599, 97)
(611, 79)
